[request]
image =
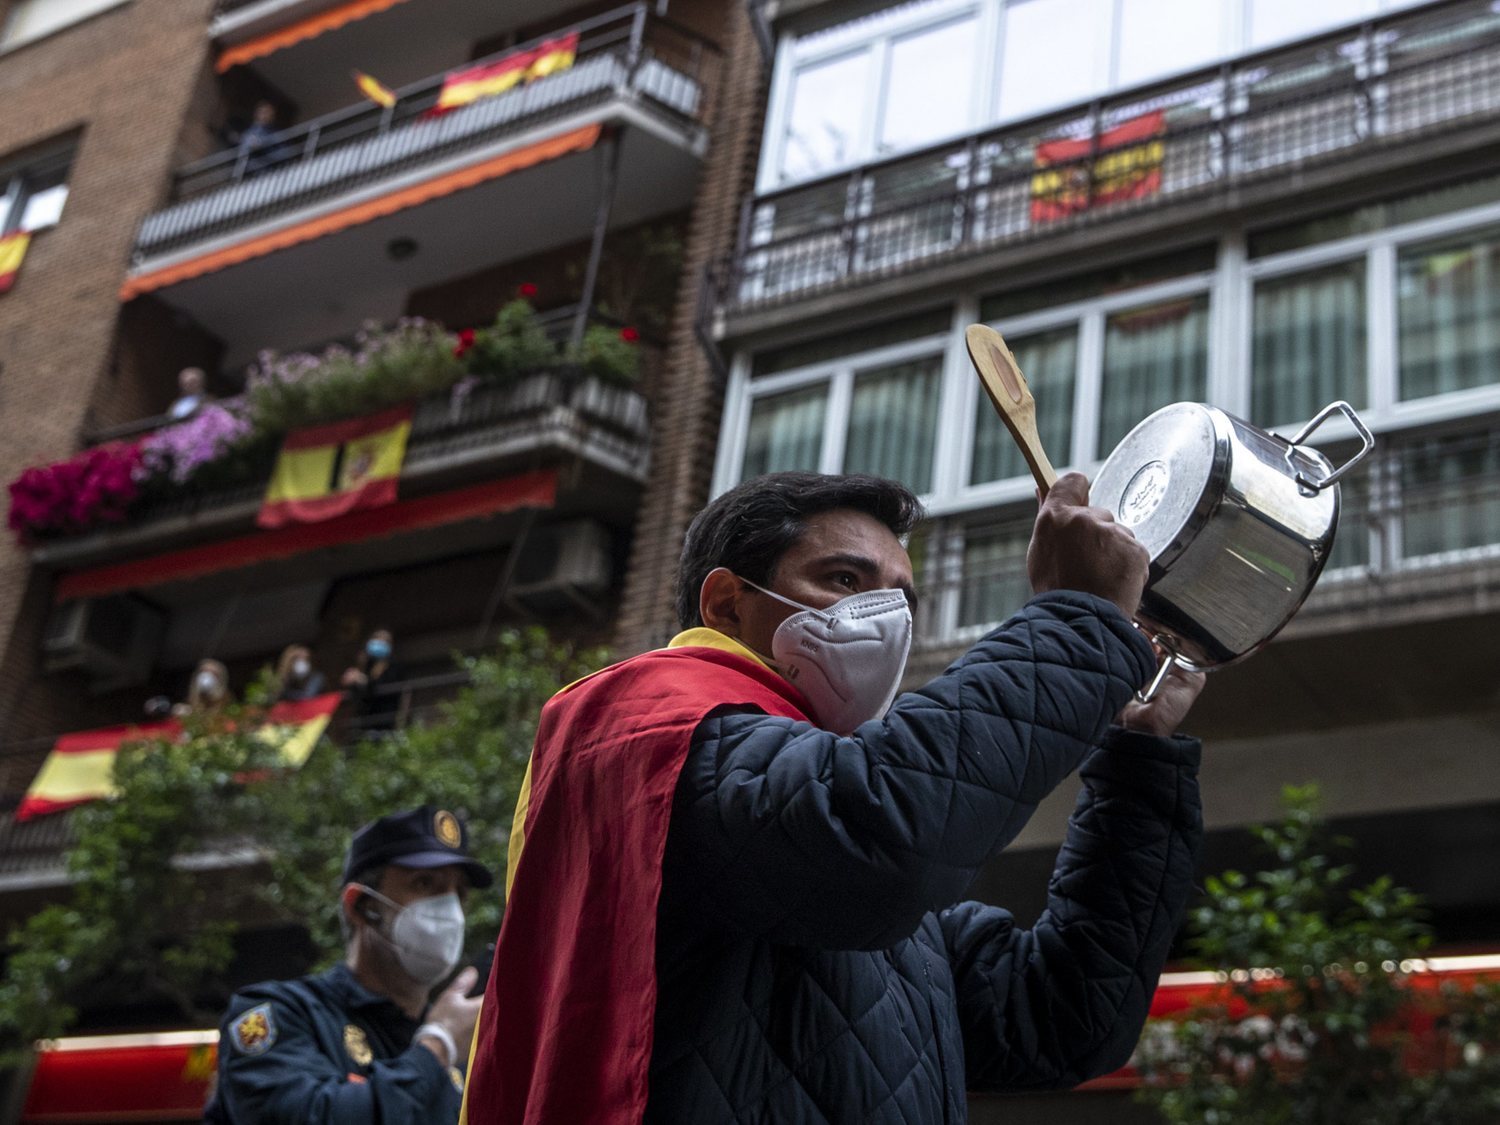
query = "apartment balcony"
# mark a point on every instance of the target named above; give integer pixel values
(341, 217)
(586, 441)
(1418, 544)
(1325, 123)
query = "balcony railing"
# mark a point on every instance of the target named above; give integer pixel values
(1419, 525)
(627, 53)
(1387, 84)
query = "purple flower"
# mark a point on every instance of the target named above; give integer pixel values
(179, 451)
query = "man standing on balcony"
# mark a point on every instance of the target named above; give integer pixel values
(736, 865)
(361, 1043)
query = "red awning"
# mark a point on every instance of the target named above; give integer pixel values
(530, 490)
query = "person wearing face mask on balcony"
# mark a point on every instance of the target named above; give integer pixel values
(208, 690)
(296, 678)
(738, 863)
(371, 669)
(361, 1042)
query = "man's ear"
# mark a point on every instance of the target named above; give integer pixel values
(349, 900)
(719, 601)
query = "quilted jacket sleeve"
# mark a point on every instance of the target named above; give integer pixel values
(1065, 1001)
(789, 832)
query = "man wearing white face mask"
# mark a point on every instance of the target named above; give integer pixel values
(736, 873)
(361, 1042)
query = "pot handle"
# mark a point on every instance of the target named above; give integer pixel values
(1309, 485)
(1169, 659)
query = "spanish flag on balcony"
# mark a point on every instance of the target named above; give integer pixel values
(327, 471)
(1127, 165)
(465, 86)
(81, 766)
(12, 250)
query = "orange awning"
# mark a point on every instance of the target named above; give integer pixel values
(576, 140)
(335, 17)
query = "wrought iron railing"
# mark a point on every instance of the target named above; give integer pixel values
(1420, 521)
(625, 53)
(1385, 84)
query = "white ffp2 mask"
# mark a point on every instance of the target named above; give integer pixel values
(848, 659)
(427, 935)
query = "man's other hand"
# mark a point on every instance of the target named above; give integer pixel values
(1076, 547)
(455, 1010)
(1164, 714)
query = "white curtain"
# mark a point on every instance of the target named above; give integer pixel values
(1049, 362)
(994, 576)
(1450, 495)
(1309, 345)
(786, 431)
(1449, 318)
(1153, 356)
(893, 422)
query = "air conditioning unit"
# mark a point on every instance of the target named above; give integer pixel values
(111, 640)
(563, 566)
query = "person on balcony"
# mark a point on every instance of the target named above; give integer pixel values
(737, 862)
(372, 670)
(361, 1042)
(208, 690)
(191, 396)
(256, 143)
(296, 678)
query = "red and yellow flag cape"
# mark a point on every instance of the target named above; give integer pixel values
(566, 1029)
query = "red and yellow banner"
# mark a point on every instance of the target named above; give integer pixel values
(12, 251)
(1127, 166)
(374, 90)
(328, 471)
(483, 81)
(81, 766)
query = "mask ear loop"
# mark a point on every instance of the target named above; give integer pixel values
(823, 614)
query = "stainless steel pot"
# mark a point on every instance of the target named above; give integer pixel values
(1239, 524)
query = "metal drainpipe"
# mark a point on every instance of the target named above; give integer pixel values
(607, 180)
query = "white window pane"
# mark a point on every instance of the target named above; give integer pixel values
(44, 208)
(1054, 53)
(31, 19)
(828, 103)
(1153, 356)
(931, 81)
(1449, 316)
(893, 423)
(786, 432)
(1164, 36)
(1275, 21)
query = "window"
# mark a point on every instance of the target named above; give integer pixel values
(32, 196)
(995, 584)
(827, 113)
(32, 19)
(1449, 315)
(1049, 361)
(1054, 53)
(1450, 495)
(893, 422)
(1309, 344)
(1160, 37)
(1154, 355)
(930, 86)
(786, 432)
(1276, 21)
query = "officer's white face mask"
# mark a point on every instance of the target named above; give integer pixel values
(427, 935)
(848, 659)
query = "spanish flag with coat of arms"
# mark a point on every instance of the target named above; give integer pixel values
(331, 470)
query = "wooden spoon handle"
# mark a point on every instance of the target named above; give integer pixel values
(1003, 382)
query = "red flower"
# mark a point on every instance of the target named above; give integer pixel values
(630, 335)
(527, 290)
(465, 342)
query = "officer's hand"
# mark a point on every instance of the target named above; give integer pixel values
(457, 1012)
(1164, 714)
(1076, 547)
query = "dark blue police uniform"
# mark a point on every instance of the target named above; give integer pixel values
(327, 1049)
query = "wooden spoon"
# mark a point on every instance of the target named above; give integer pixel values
(1003, 382)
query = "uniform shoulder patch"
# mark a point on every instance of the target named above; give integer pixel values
(254, 1031)
(456, 1077)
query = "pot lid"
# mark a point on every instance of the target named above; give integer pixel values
(1159, 474)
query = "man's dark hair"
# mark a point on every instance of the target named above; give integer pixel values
(752, 525)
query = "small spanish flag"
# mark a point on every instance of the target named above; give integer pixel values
(12, 250)
(81, 766)
(372, 89)
(465, 86)
(328, 471)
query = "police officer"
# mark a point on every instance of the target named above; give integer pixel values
(360, 1043)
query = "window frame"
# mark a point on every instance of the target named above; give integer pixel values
(18, 187)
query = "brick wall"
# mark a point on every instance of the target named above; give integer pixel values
(690, 399)
(122, 81)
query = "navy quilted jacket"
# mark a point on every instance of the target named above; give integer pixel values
(812, 965)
